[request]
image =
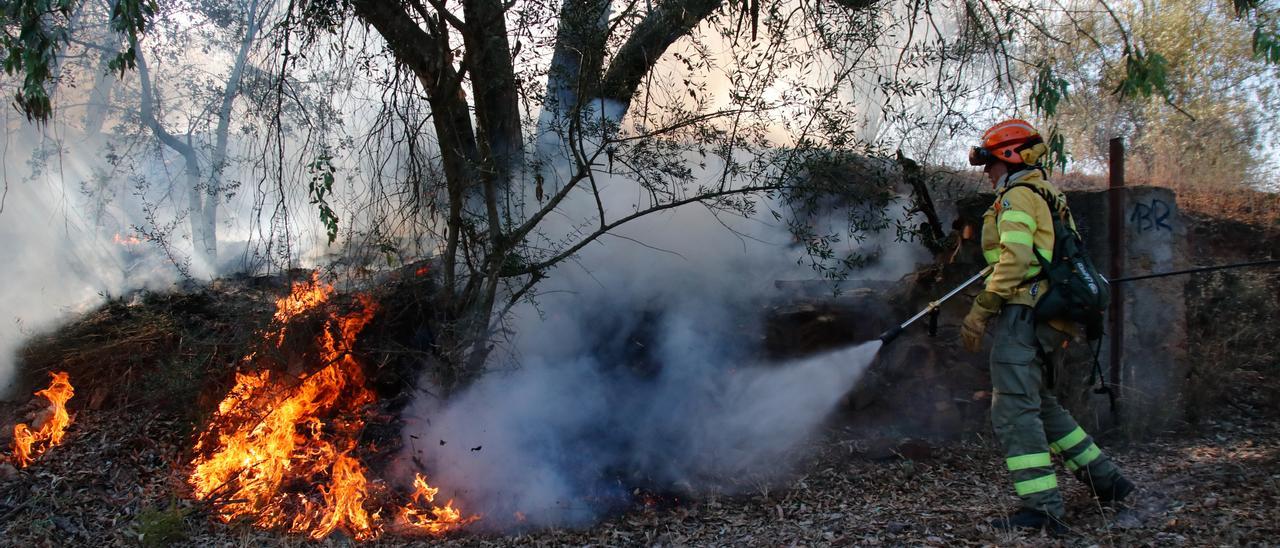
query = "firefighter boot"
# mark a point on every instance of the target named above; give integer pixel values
(1027, 519)
(1115, 493)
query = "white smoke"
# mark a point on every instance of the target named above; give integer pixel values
(78, 230)
(561, 443)
(639, 366)
(55, 261)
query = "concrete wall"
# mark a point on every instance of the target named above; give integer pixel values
(1153, 364)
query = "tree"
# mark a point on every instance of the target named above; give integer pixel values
(204, 178)
(1209, 128)
(34, 34)
(537, 109)
(496, 208)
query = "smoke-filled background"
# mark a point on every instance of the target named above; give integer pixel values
(80, 225)
(55, 262)
(97, 203)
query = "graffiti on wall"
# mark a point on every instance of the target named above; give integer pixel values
(1151, 215)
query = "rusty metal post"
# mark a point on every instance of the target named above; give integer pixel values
(1116, 235)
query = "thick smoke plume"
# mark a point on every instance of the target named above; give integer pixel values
(561, 443)
(639, 367)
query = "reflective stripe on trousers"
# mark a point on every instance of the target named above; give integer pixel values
(1028, 420)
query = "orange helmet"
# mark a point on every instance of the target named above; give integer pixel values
(1010, 141)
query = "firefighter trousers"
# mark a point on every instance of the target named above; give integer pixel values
(1028, 420)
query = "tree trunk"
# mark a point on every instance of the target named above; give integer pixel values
(572, 80)
(478, 163)
(575, 70)
(201, 239)
(95, 114)
(494, 84)
(229, 94)
(667, 23)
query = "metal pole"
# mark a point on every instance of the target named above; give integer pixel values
(1116, 229)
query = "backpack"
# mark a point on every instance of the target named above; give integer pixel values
(1077, 292)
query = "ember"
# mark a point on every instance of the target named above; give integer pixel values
(50, 425)
(281, 452)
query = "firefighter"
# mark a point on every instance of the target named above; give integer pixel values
(1029, 422)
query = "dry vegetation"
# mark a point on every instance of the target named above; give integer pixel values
(139, 364)
(117, 482)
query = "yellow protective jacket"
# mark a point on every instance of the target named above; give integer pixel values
(1016, 223)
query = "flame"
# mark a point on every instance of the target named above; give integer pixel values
(438, 519)
(281, 452)
(125, 240)
(305, 296)
(29, 444)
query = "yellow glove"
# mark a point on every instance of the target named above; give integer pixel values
(986, 305)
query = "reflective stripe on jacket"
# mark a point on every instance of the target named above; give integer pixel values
(1016, 223)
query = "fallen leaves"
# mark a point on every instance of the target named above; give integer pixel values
(1197, 489)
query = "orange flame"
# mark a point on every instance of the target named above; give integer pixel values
(125, 240)
(279, 452)
(52, 424)
(436, 520)
(304, 296)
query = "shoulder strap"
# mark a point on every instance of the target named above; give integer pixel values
(1049, 200)
(1039, 192)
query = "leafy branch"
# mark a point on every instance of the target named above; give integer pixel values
(319, 188)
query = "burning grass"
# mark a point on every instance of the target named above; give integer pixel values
(283, 453)
(111, 486)
(118, 466)
(154, 351)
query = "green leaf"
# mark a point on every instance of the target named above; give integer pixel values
(1266, 45)
(1057, 156)
(1145, 75)
(319, 187)
(1049, 90)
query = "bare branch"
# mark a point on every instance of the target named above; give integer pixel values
(547, 263)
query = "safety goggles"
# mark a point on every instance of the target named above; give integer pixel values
(979, 156)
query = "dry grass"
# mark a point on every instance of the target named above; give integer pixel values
(1261, 209)
(150, 350)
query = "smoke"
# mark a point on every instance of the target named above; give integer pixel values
(79, 229)
(562, 442)
(54, 262)
(638, 367)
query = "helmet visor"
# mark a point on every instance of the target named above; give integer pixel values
(979, 156)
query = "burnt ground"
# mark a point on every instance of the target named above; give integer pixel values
(117, 477)
(147, 371)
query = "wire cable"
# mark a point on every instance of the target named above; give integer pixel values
(1269, 262)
